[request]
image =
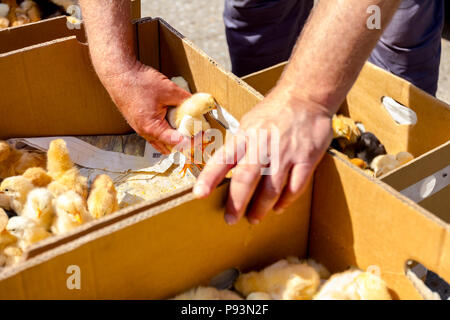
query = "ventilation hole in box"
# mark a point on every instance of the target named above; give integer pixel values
(428, 284)
(401, 114)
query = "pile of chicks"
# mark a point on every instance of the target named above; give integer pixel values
(15, 13)
(364, 149)
(45, 195)
(293, 279)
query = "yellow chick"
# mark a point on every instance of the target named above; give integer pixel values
(61, 168)
(188, 118)
(191, 110)
(71, 212)
(102, 200)
(26, 231)
(359, 163)
(11, 255)
(6, 238)
(384, 164)
(38, 177)
(39, 207)
(17, 188)
(15, 162)
(345, 130)
(282, 281)
(5, 201)
(354, 285)
(58, 159)
(208, 293)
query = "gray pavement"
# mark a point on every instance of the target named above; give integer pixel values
(201, 22)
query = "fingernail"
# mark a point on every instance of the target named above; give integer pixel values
(254, 221)
(200, 190)
(278, 210)
(230, 219)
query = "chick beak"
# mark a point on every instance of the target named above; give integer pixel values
(39, 212)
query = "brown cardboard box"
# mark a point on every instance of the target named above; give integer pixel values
(157, 249)
(47, 30)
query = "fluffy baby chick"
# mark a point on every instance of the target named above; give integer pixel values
(384, 164)
(345, 131)
(354, 285)
(58, 159)
(188, 118)
(12, 255)
(208, 293)
(282, 281)
(193, 109)
(4, 22)
(39, 207)
(38, 177)
(6, 238)
(15, 162)
(26, 231)
(32, 10)
(368, 147)
(71, 212)
(359, 163)
(102, 200)
(17, 188)
(61, 168)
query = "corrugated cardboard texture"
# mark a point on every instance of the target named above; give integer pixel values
(350, 228)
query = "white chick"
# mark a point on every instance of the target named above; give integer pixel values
(12, 255)
(182, 83)
(102, 200)
(71, 212)
(282, 281)
(26, 231)
(354, 285)
(384, 164)
(208, 293)
(17, 188)
(192, 110)
(39, 207)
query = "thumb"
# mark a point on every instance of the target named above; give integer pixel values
(176, 95)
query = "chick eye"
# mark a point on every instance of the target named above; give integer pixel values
(6, 190)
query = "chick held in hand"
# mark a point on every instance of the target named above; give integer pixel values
(282, 281)
(17, 189)
(26, 231)
(188, 118)
(102, 200)
(354, 285)
(208, 293)
(71, 212)
(39, 207)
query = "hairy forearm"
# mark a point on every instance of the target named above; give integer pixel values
(110, 35)
(332, 50)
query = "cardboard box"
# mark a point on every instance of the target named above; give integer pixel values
(157, 249)
(16, 38)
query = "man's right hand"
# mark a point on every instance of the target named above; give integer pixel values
(143, 94)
